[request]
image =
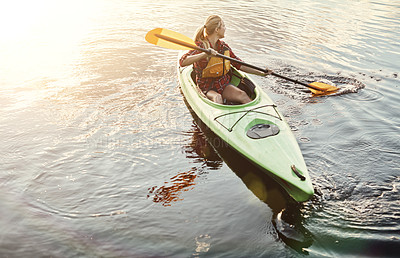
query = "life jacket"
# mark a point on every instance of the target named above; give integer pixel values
(217, 66)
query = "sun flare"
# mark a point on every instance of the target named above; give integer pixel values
(42, 37)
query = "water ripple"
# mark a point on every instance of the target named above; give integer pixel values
(368, 95)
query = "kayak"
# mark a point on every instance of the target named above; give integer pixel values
(256, 130)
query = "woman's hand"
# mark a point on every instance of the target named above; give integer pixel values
(268, 72)
(256, 71)
(212, 52)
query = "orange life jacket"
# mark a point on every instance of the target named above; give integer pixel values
(217, 66)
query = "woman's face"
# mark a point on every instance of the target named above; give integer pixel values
(221, 30)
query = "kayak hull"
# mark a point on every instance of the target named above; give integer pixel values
(257, 131)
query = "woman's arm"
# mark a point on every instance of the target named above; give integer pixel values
(254, 71)
(190, 59)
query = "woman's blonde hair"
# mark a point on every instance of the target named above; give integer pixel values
(210, 25)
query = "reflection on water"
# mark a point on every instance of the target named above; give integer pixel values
(287, 214)
(202, 153)
(207, 151)
(171, 191)
(203, 244)
(201, 150)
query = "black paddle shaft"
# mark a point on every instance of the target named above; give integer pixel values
(185, 44)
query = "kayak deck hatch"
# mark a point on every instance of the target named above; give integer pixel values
(260, 131)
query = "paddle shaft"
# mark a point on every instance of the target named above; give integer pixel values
(185, 44)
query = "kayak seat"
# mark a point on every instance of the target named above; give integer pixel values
(247, 86)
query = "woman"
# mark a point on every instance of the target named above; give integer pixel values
(216, 88)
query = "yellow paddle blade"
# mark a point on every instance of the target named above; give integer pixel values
(322, 88)
(153, 37)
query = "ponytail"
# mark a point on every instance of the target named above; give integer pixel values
(212, 22)
(200, 36)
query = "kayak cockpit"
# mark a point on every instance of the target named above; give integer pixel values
(237, 79)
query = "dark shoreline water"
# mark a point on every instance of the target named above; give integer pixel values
(100, 156)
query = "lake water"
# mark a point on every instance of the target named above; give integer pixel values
(100, 157)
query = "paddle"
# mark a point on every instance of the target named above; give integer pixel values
(174, 40)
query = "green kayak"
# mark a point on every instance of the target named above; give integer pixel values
(256, 130)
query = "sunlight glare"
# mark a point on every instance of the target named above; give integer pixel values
(40, 38)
